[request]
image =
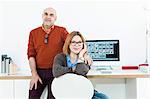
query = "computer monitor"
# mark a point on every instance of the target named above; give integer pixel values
(103, 50)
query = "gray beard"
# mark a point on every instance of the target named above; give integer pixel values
(47, 26)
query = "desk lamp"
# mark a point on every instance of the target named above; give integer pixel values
(146, 66)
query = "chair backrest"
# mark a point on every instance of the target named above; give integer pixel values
(72, 86)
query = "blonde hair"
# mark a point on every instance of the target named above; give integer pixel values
(66, 49)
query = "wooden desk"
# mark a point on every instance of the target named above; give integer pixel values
(14, 77)
(91, 74)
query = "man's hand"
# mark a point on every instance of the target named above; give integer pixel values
(34, 81)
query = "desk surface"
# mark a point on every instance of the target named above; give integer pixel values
(118, 74)
(91, 74)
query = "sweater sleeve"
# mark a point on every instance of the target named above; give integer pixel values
(82, 69)
(59, 67)
(31, 50)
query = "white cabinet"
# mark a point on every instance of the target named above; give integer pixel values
(6, 89)
(16, 89)
(21, 89)
(143, 88)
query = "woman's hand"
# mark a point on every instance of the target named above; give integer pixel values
(87, 59)
(83, 55)
(83, 51)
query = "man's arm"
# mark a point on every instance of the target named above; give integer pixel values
(35, 76)
(32, 64)
(31, 56)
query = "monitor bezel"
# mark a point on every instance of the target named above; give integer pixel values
(118, 59)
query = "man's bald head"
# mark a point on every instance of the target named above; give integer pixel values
(50, 9)
(49, 16)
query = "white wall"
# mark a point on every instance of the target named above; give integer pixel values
(123, 20)
(119, 19)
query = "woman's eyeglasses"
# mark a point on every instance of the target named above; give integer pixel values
(46, 39)
(73, 43)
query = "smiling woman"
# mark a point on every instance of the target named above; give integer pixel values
(73, 60)
(72, 54)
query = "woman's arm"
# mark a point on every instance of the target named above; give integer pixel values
(82, 69)
(59, 66)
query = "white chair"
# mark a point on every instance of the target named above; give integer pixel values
(44, 94)
(72, 86)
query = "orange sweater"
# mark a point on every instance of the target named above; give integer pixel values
(44, 53)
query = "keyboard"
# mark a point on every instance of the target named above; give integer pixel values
(101, 67)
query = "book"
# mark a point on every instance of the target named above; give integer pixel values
(129, 67)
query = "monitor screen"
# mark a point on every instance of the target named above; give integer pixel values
(103, 50)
